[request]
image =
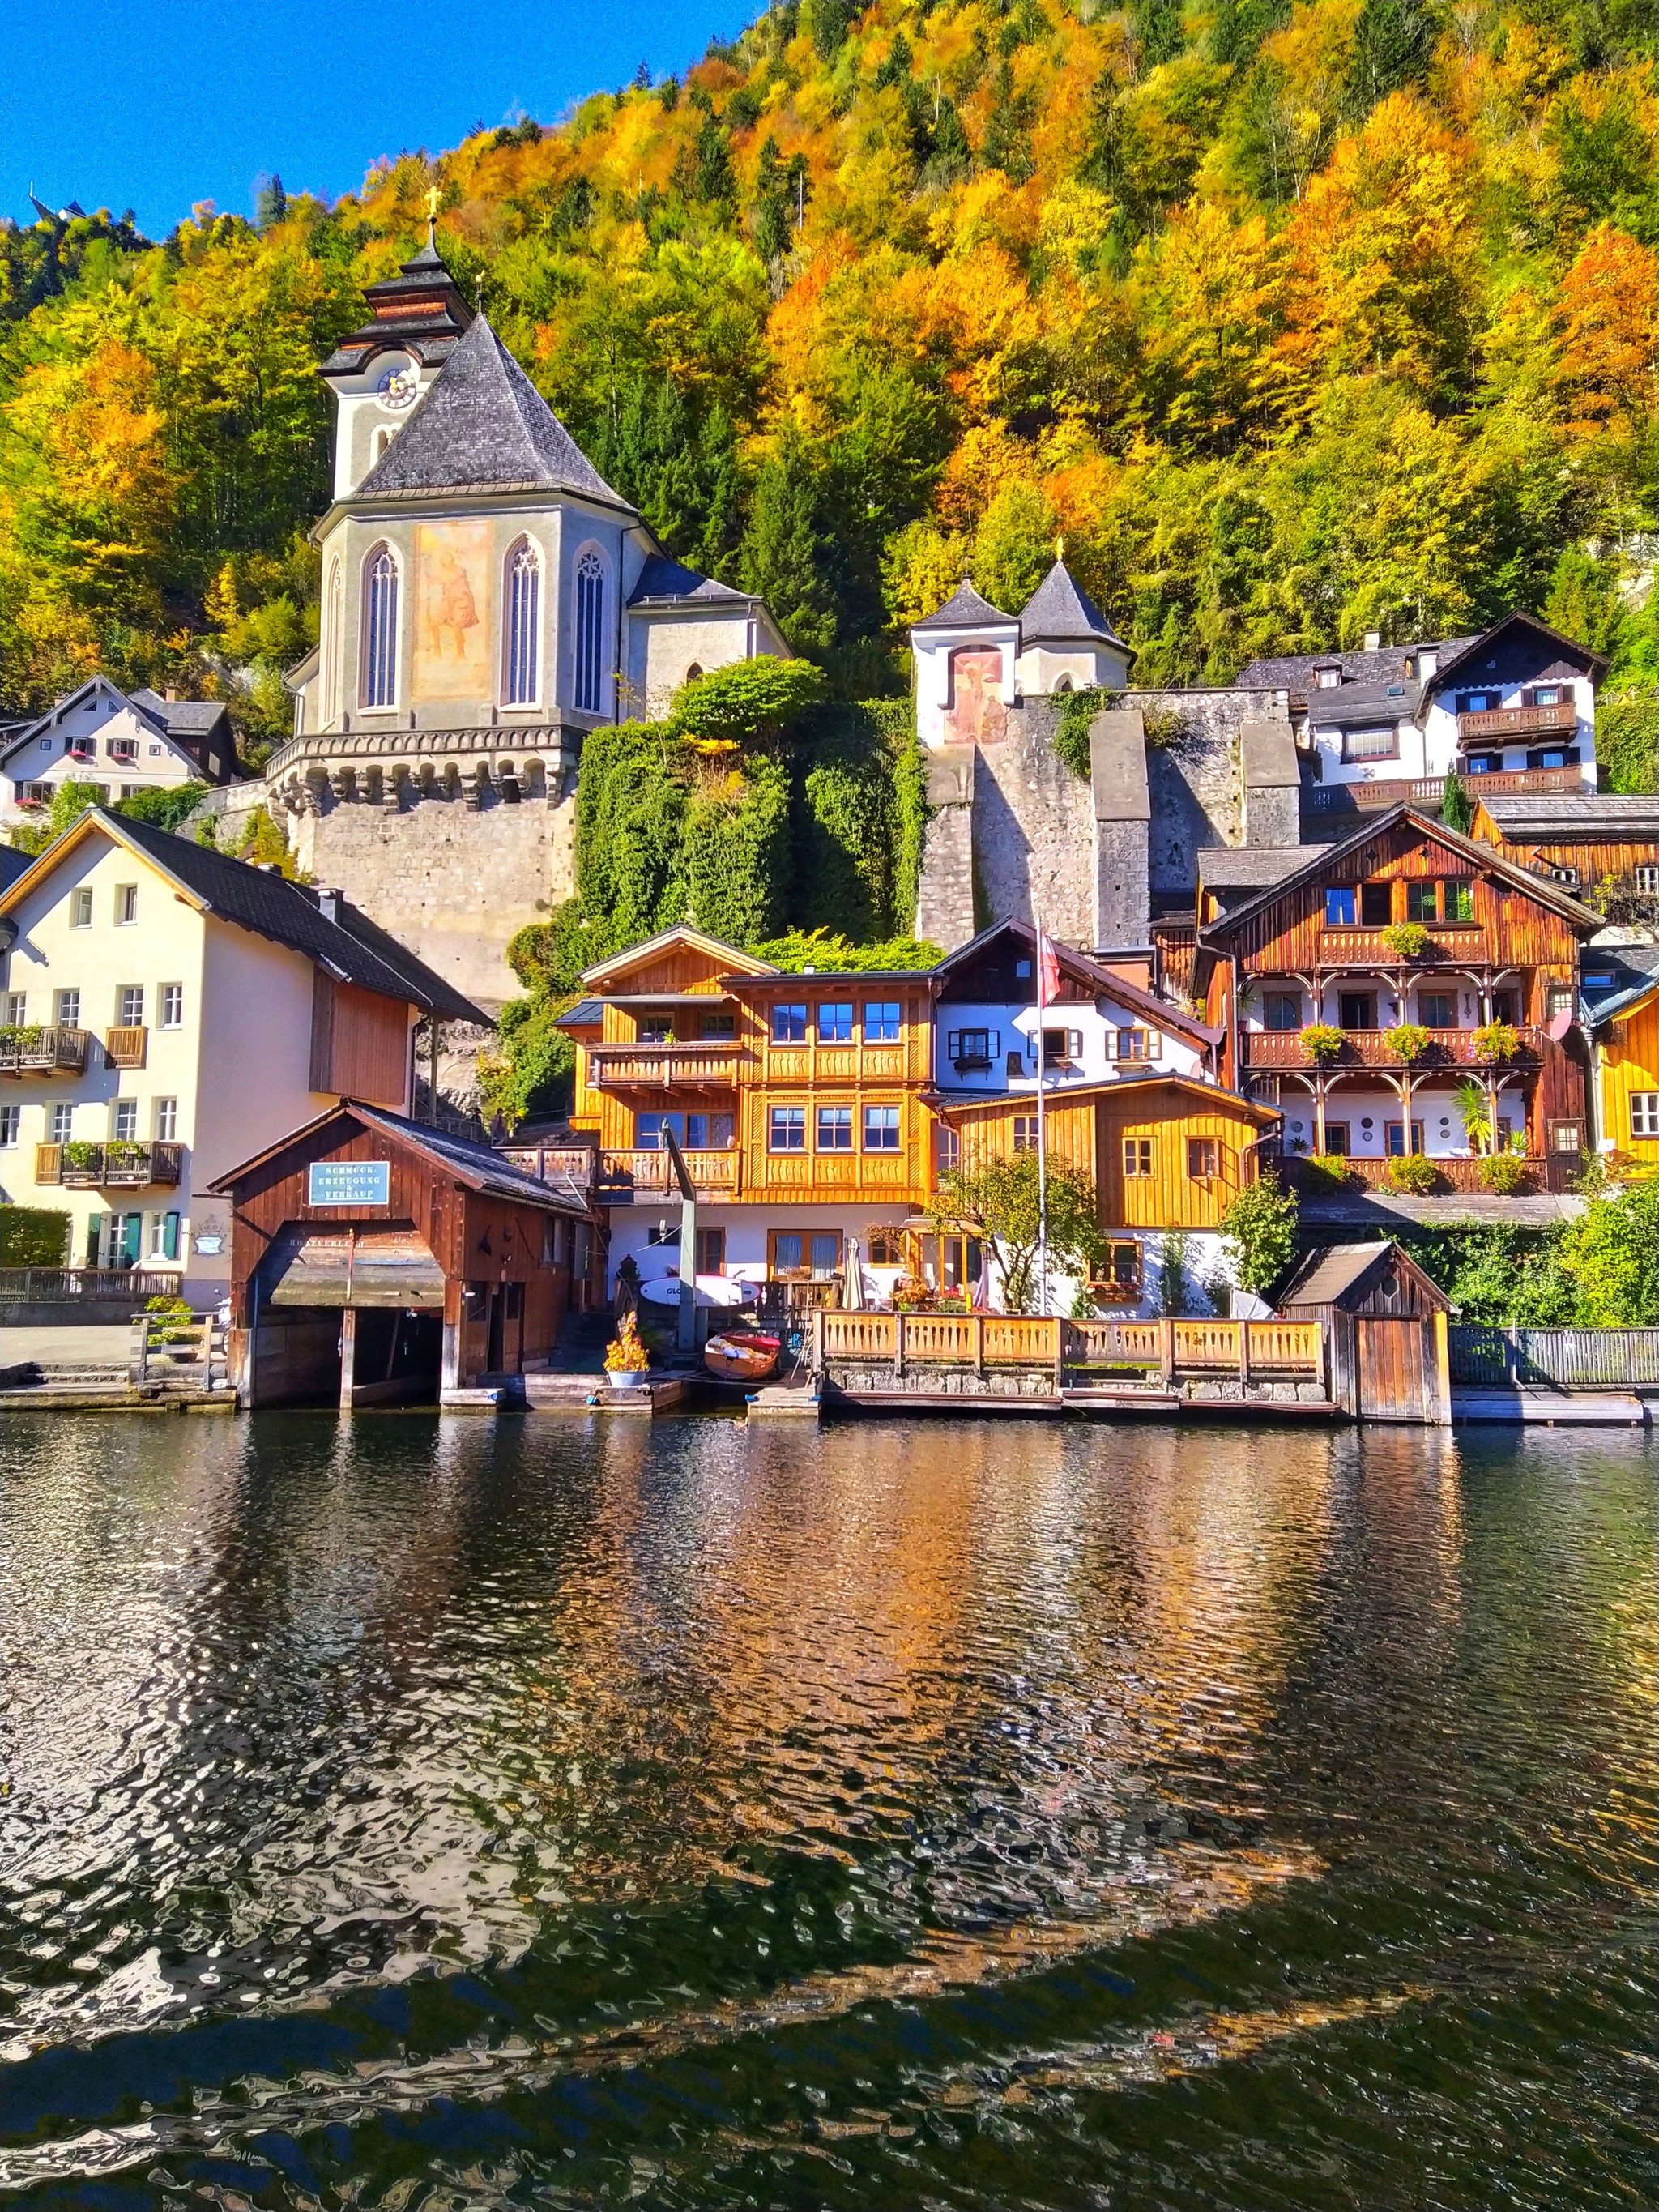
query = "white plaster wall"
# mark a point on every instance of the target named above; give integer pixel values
(1040, 667)
(1017, 1027)
(931, 655)
(1444, 1136)
(746, 1228)
(360, 412)
(661, 647)
(47, 759)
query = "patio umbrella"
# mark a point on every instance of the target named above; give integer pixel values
(852, 1293)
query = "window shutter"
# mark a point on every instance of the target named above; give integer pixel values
(132, 1232)
(170, 1238)
(996, 1042)
(1111, 1042)
(1154, 1044)
(953, 1044)
(94, 1237)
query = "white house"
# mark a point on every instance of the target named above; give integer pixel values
(125, 744)
(169, 1011)
(973, 663)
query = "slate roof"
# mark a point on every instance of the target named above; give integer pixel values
(1565, 814)
(966, 610)
(149, 708)
(586, 1013)
(662, 578)
(1363, 702)
(1295, 672)
(1251, 867)
(351, 947)
(482, 426)
(186, 718)
(1460, 650)
(1061, 610)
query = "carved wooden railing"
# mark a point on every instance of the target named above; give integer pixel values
(646, 1170)
(1364, 798)
(1371, 1049)
(709, 1065)
(1503, 725)
(902, 1341)
(44, 1051)
(1462, 1176)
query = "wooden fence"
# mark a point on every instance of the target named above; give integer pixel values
(1569, 1358)
(984, 1342)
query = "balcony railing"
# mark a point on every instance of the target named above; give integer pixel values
(43, 1051)
(1427, 790)
(648, 1173)
(1280, 1049)
(574, 1166)
(1504, 725)
(1458, 945)
(118, 1165)
(1453, 1178)
(709, 1065)
(125, 1048)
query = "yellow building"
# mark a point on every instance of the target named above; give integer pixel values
(1623, 1003)
(168, 1012)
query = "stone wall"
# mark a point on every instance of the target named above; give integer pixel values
(453, 877)
(1194, 773)
(1034, 829)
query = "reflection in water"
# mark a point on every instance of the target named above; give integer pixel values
(418, 1814)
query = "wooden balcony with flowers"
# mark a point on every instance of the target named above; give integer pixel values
(1508, 1174)
(38, 1049)
(1320, 1048)
(1393, 945)
(118, 1165)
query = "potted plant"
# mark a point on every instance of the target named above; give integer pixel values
(1413, 1175)
(1408, 1041)
(1495, 1042)
(1323, 1043)
(625, 1358)
(1407, 940)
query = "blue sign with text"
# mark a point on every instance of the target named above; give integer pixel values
(350, 1183)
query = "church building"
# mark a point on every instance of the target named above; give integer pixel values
(487, 599)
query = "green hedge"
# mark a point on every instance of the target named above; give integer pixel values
(1627, 744)
(33, 1236)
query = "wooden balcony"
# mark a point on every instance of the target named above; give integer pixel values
(1282, 1048)
(43, 1051)
(119, 1165)
(125, 1048)
(648, 1173)
(1510, 725)
(710, 1065)
(1461, 944)
(570, 1166)
(1427, 791)
(1453, 1178)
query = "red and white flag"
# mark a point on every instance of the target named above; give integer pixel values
(1048, 970)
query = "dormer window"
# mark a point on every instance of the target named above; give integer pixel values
(1329, 678)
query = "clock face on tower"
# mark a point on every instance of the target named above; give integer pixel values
(398, 388)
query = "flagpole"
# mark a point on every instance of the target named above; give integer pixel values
(1042, 1128)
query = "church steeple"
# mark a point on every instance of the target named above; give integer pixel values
(417, 318)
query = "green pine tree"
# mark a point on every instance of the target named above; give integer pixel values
(782, 548)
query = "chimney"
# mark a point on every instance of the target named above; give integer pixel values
(1373, 640)
(171, 693)
(328, 905)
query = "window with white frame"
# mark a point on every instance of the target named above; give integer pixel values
(60, 1120)
(379, 665)
(1644, 1113)
(524, 624)
(167, 1120)
(130, 1006)
(11, 1123)
(81, 906)
(881, 1128)
(16, 1008)
(590, 633)
(123, 1121)
(66, 1010)
(126, 903)
(162, 1237)
(172, 1005)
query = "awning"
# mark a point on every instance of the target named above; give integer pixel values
(356, 1267)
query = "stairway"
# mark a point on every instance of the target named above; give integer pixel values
(581, 1347)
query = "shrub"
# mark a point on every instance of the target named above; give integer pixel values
(1503, 1174)
(1495, 1042)
(1409, 939)
(749, 703)
(32, 1236)
(81, 1155)
(1323, 1043)
(1414, 1175)
(1455, 811)
(1326, 1171)
(1258, 1231)
(1408, 1041)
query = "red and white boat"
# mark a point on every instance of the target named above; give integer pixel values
(742, 1358)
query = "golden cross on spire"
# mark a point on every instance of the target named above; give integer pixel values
(432, 200)
(1059, 549)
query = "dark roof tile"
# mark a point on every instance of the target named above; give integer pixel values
(1060, 609)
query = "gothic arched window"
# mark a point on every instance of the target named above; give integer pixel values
(590, 633)
(524, 624)
(333, 602)
(379, 670)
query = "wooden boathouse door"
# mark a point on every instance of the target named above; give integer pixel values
(1392, 1382)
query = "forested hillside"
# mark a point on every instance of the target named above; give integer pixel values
(1296, 318)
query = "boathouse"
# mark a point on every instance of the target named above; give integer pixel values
(376, 1260)
(1385, 1324)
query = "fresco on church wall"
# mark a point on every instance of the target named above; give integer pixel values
(452, 610)
(975, 714)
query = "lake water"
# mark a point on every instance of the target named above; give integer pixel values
(424, 1815)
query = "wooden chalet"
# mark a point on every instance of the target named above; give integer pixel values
(1386, 1330)
(1581, 841)
(1622, 1000)
(799, 1102)
(373, 1259)
(1401, 975)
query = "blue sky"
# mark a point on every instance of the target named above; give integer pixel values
(157, 104)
